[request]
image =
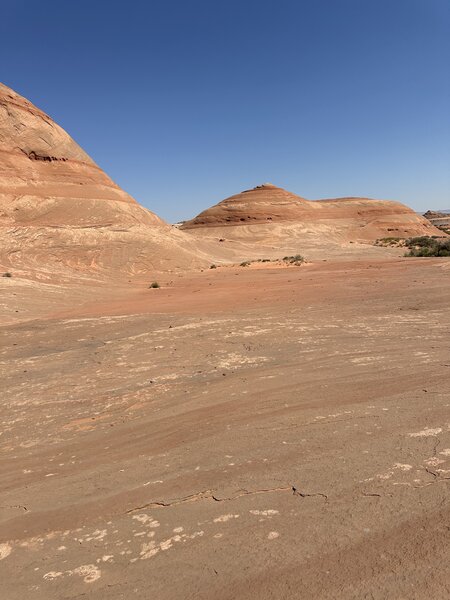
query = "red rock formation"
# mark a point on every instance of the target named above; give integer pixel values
(59, 212)
(438, 219)
(356, 219)
(261, 204)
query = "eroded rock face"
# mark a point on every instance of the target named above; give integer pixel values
(60, 213)
(439, 219)
(353, 219)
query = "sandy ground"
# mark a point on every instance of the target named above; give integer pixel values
(238, 433)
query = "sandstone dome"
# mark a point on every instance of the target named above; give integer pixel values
(263, 203)
(268, 221)
(267, 203)
(60, 213)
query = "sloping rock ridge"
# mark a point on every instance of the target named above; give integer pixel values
(60, 214)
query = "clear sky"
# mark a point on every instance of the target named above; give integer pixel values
(184, 103)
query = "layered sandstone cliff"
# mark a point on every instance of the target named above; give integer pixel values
(60, 213)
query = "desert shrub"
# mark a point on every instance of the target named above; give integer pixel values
(428, 246)
(389, 241)
(294, 260)
(422, 241)
(213, 267)
(154, 285)
(245, 263)
(7, 274)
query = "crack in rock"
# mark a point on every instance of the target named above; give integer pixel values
(210, 495)
(204, 495)
(438, 478)
(306, 495)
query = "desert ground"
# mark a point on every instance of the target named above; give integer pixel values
(241, 432)
(266, 428)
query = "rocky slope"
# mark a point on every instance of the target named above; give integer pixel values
(61, 214)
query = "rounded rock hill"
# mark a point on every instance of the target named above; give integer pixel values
(61, 214)
(267, 203)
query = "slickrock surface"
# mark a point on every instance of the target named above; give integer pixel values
(238, 433)
(268, 217)
(61, 214)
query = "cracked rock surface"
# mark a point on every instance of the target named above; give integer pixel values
(238, 433)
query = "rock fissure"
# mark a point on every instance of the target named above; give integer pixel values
(210, 495)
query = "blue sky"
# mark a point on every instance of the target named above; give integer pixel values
(185, 103)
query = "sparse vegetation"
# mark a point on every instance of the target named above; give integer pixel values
(7, 274)
(428, 246)
(294, 260)
(154, 285)
(390, 241)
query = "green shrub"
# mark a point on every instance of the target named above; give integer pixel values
(389, 241)
(294, 260)
(428, 246)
